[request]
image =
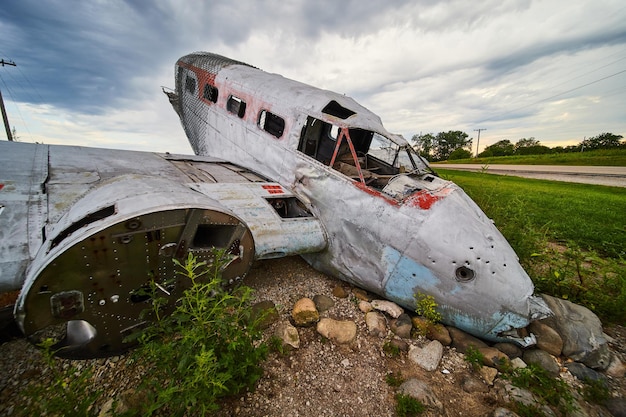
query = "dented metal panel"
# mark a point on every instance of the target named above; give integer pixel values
(274, 236)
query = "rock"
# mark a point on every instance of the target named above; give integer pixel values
(517, 363)
(461, 340)
(402, 326)
(493, 358)
(548, 339)
(616, 406)
(265, 312)
(428, 357)
(510, 393)
(400, 344)
(509, 349)
(439, 332)
(471, 384)
(583, 373)
(488, 374)
(391, 308)
(543, 360)
(340, 292)
(365, 306)
(376, 324)
(419, 390)
(336, 330)
(360, 294)
(616, 368)
(581, 332)
(304, 312)
(288, 334)
(323, 303)
(503, 412)
(127, 401)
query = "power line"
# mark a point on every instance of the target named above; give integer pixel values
(478, 140)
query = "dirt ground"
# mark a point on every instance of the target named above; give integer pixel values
(318, 379)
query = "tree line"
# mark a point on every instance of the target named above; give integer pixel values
(453, 145)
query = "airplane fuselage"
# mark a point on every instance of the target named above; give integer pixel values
(393, 226)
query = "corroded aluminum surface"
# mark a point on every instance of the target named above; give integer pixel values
(418, 233)
(94, 227)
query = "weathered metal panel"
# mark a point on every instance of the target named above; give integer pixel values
(417, 234)
(274, 236)
(23, 172)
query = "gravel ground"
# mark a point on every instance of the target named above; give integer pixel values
(318, 379)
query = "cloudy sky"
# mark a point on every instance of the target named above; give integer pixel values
(90, 72)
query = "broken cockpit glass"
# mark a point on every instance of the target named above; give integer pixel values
(360, 154)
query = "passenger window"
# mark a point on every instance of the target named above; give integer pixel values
(236, 106)
(190, 84)
(210, 93)
(271, 123)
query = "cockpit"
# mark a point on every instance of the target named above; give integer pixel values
(363, 155)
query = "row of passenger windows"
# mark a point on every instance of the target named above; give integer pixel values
(271, 123)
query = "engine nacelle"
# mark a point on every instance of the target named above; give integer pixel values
(89, 285)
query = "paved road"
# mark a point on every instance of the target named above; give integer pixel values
(600, 175)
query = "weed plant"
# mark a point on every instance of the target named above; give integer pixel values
(550, 391)
(71, 392)
(407, 406)
(426, 306)
(206, 349)
(474, 358)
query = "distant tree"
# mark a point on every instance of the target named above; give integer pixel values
(572, 148)
(526, 143)
(447, 142)
(603, 141)
(503, 147)
(530, 146)
(438, 148)
(460, 153)
(424, 144)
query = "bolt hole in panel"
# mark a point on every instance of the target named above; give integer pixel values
(92, 296)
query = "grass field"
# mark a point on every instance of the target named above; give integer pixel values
(609, 157)
(571, 238)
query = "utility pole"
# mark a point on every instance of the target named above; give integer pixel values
(478, 140)
(4, 112)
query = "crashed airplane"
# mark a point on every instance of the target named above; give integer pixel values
(281, 168)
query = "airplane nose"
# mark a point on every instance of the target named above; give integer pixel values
(458, 256)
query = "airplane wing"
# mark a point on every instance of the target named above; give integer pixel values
(84, 230)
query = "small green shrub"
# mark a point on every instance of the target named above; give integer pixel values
(407, 406)
(205, 349)
(595, 391)
(548, 390)
(426, 306)
(391, 350)
(474, 358)
(394, 379)
(71, 392)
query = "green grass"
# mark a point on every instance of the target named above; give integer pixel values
(571, 238)
(593, 217)
(608, 157)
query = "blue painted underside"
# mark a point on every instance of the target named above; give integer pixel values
(405, 278)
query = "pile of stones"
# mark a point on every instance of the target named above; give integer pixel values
(570, 344)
